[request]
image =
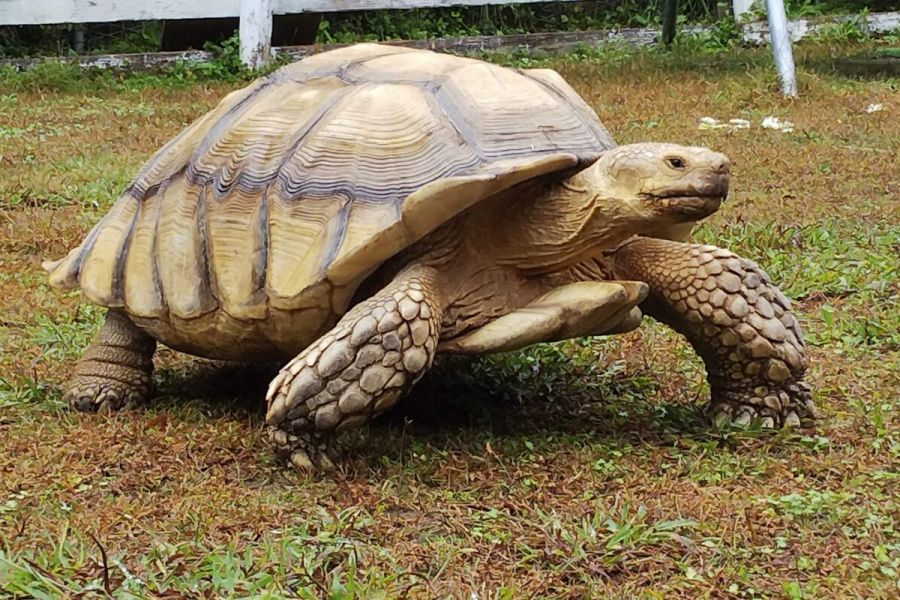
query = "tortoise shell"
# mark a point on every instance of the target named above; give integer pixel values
(256, 224)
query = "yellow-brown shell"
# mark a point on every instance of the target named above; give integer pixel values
(284, 197)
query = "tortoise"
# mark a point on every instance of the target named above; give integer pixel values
(361, 210)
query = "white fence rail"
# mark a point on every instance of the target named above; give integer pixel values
(256, 23)
(46, 12)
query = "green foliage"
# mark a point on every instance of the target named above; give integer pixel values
(888, 52)
(847, 31)
(608, 537)
(225, 66)
(568, 368)
(99, 38)
(50, 75)
(60, 76)
(14, 392)
(331, 561)
(812, 505)
(495, 20)
(723, 35)
(802, 8)
(66, 337)
(798, 9)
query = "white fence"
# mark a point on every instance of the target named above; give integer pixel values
(255, 15)
(44, 12)
(256, 19)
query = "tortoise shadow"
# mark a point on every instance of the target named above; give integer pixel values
(230, 390)
(609, 404)
(461, 398)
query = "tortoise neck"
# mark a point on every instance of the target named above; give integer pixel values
(560, 225)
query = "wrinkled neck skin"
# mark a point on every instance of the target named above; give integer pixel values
(534, 229)
(560, 224)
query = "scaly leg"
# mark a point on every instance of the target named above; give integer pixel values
(736, 320)
(116, 369)
(375, 353)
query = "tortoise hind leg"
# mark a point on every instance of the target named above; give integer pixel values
(359, 369)
(116, 369)
(736, 320)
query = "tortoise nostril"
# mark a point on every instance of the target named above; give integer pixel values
(720, 165)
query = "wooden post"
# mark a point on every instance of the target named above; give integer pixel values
(781, 47)
(670, 18)
(256, 32)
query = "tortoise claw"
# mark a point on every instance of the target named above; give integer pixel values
(304, 463)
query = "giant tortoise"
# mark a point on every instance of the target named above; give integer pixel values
(361, 210)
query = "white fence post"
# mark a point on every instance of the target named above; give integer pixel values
(781, 46)
(256, 32)
(740, 8)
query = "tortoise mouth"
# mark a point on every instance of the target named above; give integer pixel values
(689, 206)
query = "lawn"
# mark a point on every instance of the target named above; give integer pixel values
(575, 470)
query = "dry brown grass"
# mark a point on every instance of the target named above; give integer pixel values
(593, 478)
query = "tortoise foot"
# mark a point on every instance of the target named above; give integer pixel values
(96, 394)
(737, 320)
(306, 451)
(769, 408)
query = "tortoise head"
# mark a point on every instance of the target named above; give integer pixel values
(662, 182)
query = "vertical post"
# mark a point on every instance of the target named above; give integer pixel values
(781, 47)
(670, 17)
(78, 38)
(256, 32)
(740, 8)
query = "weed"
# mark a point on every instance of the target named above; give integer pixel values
(293, 561)
(846, 31)
(607, 538)
(812, 504)
(21, 391)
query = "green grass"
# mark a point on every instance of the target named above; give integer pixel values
(334, 559)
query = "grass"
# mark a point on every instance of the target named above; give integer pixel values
(573, 470)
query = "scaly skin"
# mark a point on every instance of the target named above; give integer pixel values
(737, 321)
(115, 371)
(356, 371)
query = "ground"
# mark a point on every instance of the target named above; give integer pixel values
(575, 470)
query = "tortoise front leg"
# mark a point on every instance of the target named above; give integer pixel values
(736, 320)
(359, 369)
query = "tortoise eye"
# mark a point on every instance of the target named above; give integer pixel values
(676, 163)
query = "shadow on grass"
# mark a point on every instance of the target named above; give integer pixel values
(868, 65)
(552, 393)
(224, 389)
